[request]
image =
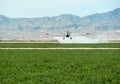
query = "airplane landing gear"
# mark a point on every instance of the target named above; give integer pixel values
(67, 37)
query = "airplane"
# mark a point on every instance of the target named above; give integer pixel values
(67, 35)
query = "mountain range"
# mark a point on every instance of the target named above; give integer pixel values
(33, 27)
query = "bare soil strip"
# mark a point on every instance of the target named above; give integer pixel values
(59, 48)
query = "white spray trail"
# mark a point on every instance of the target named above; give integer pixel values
(82, 39)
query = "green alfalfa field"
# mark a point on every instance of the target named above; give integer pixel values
(60, 66)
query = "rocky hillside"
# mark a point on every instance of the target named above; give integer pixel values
(19, 27)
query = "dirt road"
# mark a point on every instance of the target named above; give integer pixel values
(59, 48)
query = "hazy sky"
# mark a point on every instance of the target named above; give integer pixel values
(41, 8)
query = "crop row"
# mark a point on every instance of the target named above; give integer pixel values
(51, 45)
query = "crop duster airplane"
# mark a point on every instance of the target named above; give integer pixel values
(67, 35)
